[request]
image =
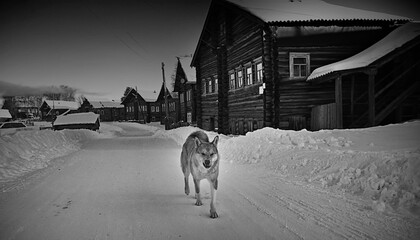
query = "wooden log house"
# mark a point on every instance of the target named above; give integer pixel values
(136, 108)
(107, 110)
(50, 109)
(160, 107)
(253, 59)
(185, 87)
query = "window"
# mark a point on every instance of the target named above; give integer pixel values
(211, 90)
(239, 78)
(232, 80)
(157, 109)
(249, 80)
(152, 109)
(216, 84)
(203, 87)
(181, 97)
(299, 65)
(188, 95)
(259, 73)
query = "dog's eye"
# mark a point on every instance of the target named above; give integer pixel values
(203, 154)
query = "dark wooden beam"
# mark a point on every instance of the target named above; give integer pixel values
(353, 77)
(371, 97)
(396, 102)
(339, 101)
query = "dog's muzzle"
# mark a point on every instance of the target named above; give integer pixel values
(207, 163)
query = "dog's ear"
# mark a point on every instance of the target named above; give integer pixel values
(197, 141)
(215, 141)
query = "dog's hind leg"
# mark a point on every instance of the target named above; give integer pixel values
(197, 193)
(187, 185)
(213, 188)
(186, 170)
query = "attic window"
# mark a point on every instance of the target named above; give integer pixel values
(299, 65)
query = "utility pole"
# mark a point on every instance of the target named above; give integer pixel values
(166, 98)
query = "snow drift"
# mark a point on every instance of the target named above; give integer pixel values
(26, 151)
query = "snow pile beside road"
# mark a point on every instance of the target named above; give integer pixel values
(26, 151)
(381, 163)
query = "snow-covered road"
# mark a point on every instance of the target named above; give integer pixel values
(131, 187)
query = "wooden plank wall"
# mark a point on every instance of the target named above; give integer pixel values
(243, 43)
(298, 97)
(245, 104)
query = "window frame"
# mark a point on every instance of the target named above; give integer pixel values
(216, 84)
(210, 85)
(249, 75)
(232, 81)
(292, 56)
(259, 77)
(239, 79)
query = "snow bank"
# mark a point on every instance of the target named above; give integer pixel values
(26, 151)
(381, 163)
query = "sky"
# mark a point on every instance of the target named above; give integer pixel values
(102, 47)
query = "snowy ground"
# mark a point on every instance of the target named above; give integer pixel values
(337, 184)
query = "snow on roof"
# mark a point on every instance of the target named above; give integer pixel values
(76, 118)
(4, 113)
(62, 104)
(389, 43)
(189, 71)
(305, 10)
(149, 96)
(105, 104)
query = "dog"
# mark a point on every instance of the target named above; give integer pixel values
(201, 158)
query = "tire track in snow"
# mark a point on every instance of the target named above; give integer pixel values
(339, 216)
(263, 210)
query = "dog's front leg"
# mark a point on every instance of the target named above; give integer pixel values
(213, 188)
(197, 192)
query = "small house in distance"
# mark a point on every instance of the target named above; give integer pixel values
(108, 110)
(87, 120)
(253, 59)
(185, 86)
(5, 115)
(136, 107)
(160, 107)
(52, 108)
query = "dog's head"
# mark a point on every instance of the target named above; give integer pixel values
(206, 152)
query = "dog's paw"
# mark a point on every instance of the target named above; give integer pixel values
(214, 214)
(198, 203)
(187, 191)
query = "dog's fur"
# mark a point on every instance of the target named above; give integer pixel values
(201, 158)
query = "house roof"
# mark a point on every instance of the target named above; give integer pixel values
(302, 13)
(76, 118)
(105, 104)
(62, 104)
(272, 11)
(367, 57)
(189, 71)
(4, 113)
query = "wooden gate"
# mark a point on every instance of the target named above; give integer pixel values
(324, 117)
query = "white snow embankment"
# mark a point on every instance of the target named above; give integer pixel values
(26, 151)
(381, 163)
